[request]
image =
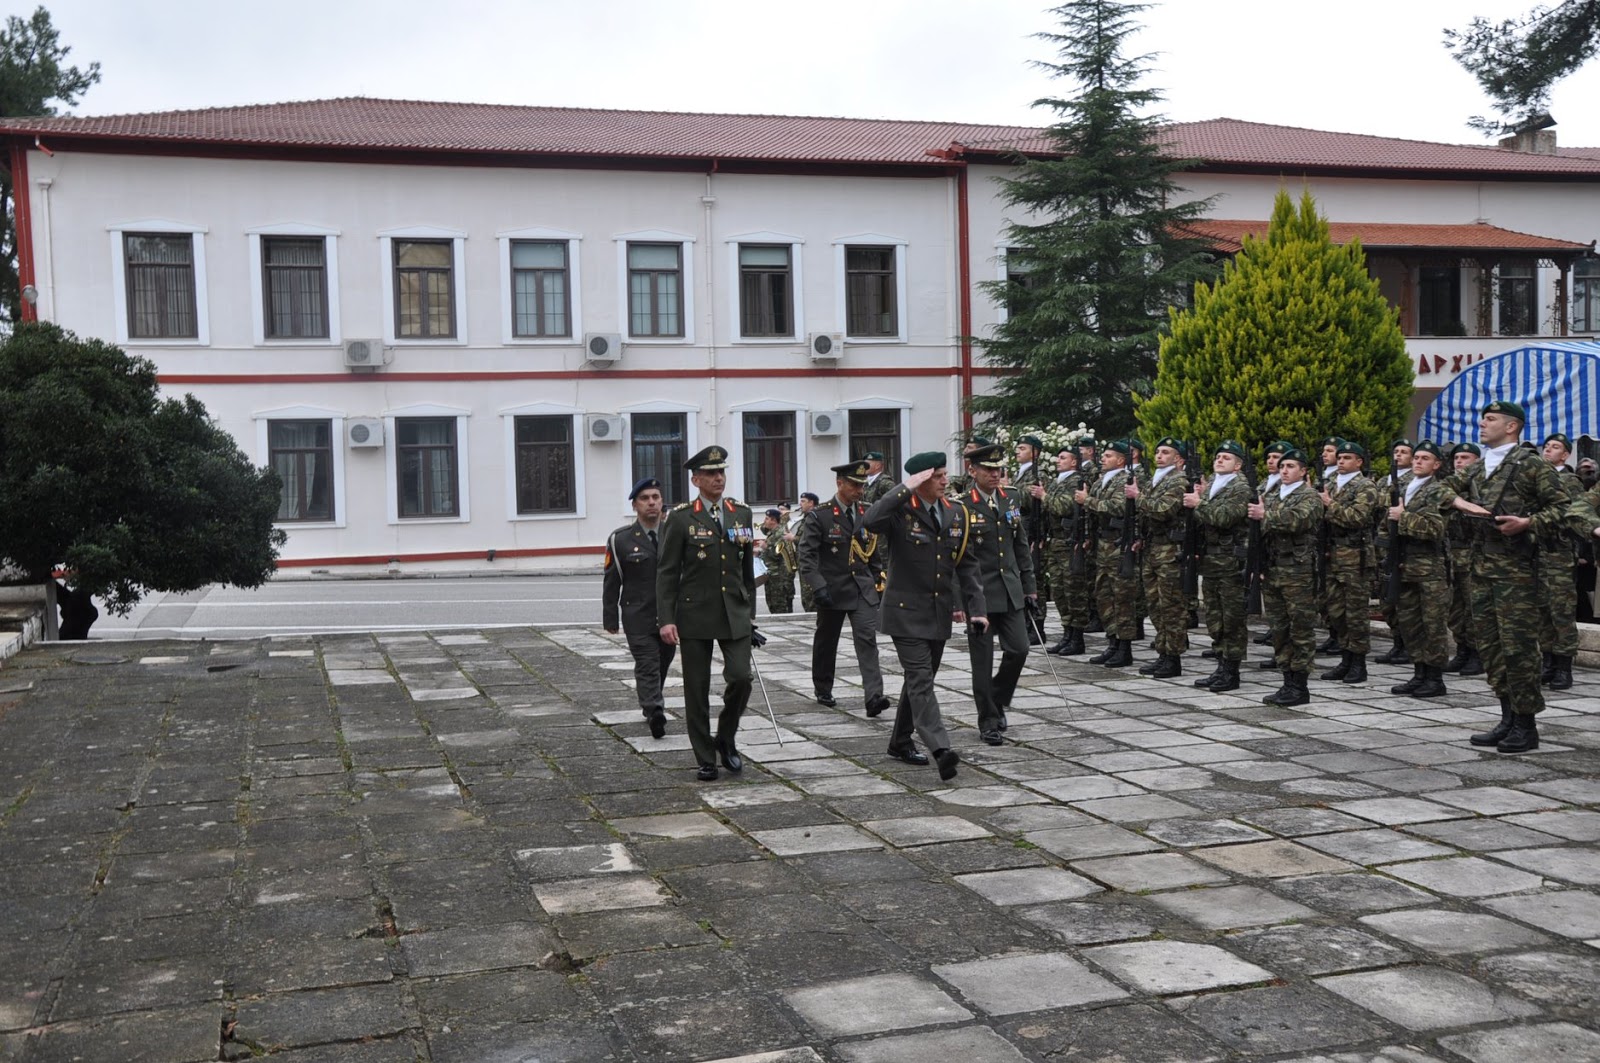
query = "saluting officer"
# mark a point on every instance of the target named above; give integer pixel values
(629, 591)
(1458, 528)
(1352, 503)
(1067, 552)
(1115, 594)
(1161, 534)
(705, 594)
(1290, 517)
(839, 561)
(932, 580)
(1221, 505)
(1006, 571)
(1423, 610)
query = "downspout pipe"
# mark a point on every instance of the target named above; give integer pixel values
(707, 201)
(21, 196)
(964, 280)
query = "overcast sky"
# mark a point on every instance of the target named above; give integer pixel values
(1362, 66)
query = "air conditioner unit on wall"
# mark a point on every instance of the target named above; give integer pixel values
(602, 347)
(363, 354)
(603, 428)
(364, 432)
(827, 423)
(826, 346)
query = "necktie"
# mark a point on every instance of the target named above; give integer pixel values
(849, 524)
(653, 542)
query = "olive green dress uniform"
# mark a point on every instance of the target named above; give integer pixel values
(1289, 534)
(1222, 517)
(1352, 561)
(1424, 606)
(628, 601)
(706, 585)
(839, 560)
(931, 574)
(1000, 546)
(778, 556)
(1162, 524)
(1071, 590)
(1558, 588)
(1116, 596)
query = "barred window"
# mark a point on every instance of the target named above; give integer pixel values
(545, 465)
(660, 447)
(1586, 295)
(160, 286)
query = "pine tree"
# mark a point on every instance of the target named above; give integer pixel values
(1295, 342)
(1101, 242)
(1519, 60)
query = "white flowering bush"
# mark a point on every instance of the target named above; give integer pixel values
(1055, 436)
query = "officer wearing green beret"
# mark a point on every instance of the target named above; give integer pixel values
(1290, 518)
(1221, 505)
(1351, 503)
(840, 562)
(705, 595)
(1465, 458)
(1421, 549)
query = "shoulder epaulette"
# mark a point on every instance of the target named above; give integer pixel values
(680, 505)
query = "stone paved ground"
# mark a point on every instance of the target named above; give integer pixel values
(467, 848)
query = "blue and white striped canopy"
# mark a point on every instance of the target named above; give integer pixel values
(1557, 383)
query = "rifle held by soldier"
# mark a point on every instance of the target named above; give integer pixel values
(1391, 587)
(1252, 555)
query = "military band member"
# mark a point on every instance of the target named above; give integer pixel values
(1000, 546)
(628, 599)
(1458, 528)
(1068, 555)
(1116, 594)
(779, 557)
(1351, 503)
(1422, 612)
(808, 502)
(1162, 524)
(932, 579)
(1558, 572)
(705, 595)
(878, 481)
(1221, 505)
(1289, 520)
(1029, 485)
(839, 561)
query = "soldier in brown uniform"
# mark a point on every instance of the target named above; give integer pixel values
(1459, 533)
(1422, 546)
(1161, 533)
(1351, 504)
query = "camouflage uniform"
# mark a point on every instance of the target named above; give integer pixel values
(1116, 596)
(1222, 518)
(1459, 534)
(1423, 609)
(1035, 526)
(1288, 535)
(1351, 562)
(1072, 591)
(1162, 521)
(1385, 609)
(1558, 587)
(877, 489)
(778, 556)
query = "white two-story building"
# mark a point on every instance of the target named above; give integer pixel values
(460, 332)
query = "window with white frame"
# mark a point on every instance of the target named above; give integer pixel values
(876, 430)
(546, 480)
(769, 456)
(301, 453)
(159, 285)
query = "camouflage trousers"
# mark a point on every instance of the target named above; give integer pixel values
(1423, 614)
(780, 590)
(1461, 597)
(1289, 599)
(1347, 602)
(1505, 616)
(1169, 606)
(805, 598)
(1558, 601)
(1222, 584)
(1117, 598)
(1073, 595)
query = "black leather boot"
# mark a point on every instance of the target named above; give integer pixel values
(1168, 666)
(1149, 667)
(1397, 653)
(1138, 630)
(1338, 671)
(1229, 680)
(1549, 667)
(1493, 736)
(1105, 655)
(1123, 655)
(1293, 691)
(1523, 736)
(1263, 639)
(1474, 665)
(1216, 675)
(1209, 655)
(1561, 675)
(1074, 642)
(1055, 651)
(1455, 664)
(1358, 669)
(1329, 645)
(1270, 665)
(1432, 685)
(1410, 684)
(1194, 619)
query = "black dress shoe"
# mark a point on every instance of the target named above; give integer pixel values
(827, 699)
(1004, 723)
(729, 755)
(706, 773)
(992, 737)
(876, 706)
(948, 759)
(658, 724)
(908, 753)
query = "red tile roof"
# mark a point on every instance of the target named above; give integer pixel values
(1228, 235)
(359, 123)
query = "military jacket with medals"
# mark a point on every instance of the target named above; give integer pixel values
(1000, 543)
(705, 577)
(930, 569)
(838, 553)
(629, 587)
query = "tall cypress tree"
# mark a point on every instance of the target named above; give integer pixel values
(1295, 341)
(1102, 244)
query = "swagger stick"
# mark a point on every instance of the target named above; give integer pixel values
(770, 715)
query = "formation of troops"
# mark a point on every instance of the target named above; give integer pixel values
(1473, 550)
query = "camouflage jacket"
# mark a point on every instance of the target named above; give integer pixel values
(1289, 527)
(1162, 517)
(1351, 513)
(1523, 485)
(1423, 540)
(1222, 516)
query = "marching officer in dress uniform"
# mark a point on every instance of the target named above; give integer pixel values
(1290, 517)
(1159, 504)
(1000, 545)
(1030, 484)
(878, 482)
(629, 593)
(1352, 503)
(1458, 530)
(839, 561)
(1116, 594)
(705, 594)
(779, 558)
(1558, 578)
(1220, 504)
(1068, 554)
(1422, 613)
(932, 580)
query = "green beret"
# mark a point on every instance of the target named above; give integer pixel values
(1295, 454)
(1428, 446)
(1174, 442)
(1347, 446)
(1033, 441)
(1401, 442)
(873, 455)
(928, 459)
(992, 456)
(1468, 448)
(1282, 446)
(1559, 437)
(1135, 442)
(981, 441)
(1234, 447)
(1510, 409)
(1121, 446)
(1330, 441)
